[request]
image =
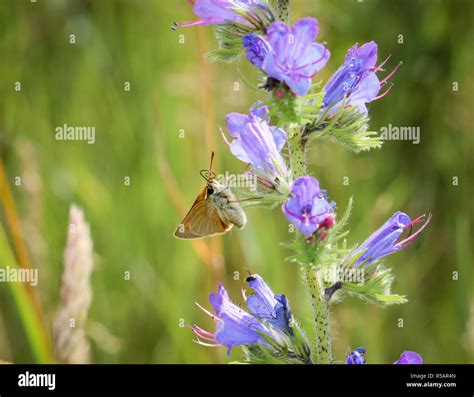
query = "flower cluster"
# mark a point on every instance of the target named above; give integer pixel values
(289, 54)
(271, 140)
(268, 314)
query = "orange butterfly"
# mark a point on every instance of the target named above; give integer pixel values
(214, 211)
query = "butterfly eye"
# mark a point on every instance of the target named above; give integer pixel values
(210, 191)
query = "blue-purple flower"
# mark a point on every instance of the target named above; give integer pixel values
(409, 357)
(217, 12)
(387, 239)
(257, 143)
(356, 357)
(356, 80)
(289, 54)
(265, 305)
(256, 49)
(308, 208)
(268, 314)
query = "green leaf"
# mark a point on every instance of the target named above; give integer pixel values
(279, 348)
(348, 127)
(376, 287)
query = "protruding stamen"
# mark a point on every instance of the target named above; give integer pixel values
(412, 237)
(200, 342)
(384, 81)
(178, 25)
(244, 295)
(384, 93)
(223, 136)
(214, 317)
(383, 63)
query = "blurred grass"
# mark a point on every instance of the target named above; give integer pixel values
(172, 89)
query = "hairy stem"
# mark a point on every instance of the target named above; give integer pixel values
(282, 8)
(321, 353)
(297, 152)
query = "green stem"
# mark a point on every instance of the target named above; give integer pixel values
(297, 152)
(282, 8)
(31, 326)
(321, 353)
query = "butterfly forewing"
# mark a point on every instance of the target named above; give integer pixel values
(202, 220)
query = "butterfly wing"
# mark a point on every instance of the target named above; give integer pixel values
(202, 220)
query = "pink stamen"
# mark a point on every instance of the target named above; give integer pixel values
(203, 331)
(223, 135)
(383, 63)
(199, 342)
(204, 335)
(179, 25)
(410, 238)
(384, 81)
(385, 93)
(214, 317)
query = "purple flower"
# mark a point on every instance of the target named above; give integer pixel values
(265, 305)
(356, 80)
(257, 143)
(308, 209)
(235, 326)
(256, 49)
(387, 239)
(217, 12)
(356, 357)
(289, 54)
(409, 358)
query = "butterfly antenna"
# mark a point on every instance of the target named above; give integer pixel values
(208, 175)
(212, 159)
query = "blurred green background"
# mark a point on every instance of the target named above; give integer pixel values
(173, 90)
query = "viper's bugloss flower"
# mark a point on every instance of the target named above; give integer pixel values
(217, 12)
(269, 314)
(356, 357)
(257, 143)
(387, 239)
(289, 54)
(308, 208)
(409, 358)
(256, 48)
(356, 80)
(265, 305)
